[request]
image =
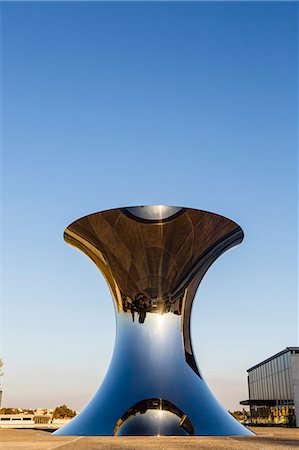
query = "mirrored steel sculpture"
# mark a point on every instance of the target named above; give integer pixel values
(153, 259)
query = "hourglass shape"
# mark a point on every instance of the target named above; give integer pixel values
(153, 259)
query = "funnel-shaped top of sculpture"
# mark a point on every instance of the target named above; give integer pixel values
(153, 256)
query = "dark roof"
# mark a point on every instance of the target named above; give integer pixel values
(259, 402)
(286, 350)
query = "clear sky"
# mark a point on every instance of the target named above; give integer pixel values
(117, 104)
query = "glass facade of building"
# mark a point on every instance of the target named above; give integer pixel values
(271, 389)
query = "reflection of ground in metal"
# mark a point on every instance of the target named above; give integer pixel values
(154, 417)
(153, 259)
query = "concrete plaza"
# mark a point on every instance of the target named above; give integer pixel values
(36, 439)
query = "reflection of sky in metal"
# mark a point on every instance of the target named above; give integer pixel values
(154, 416)
(152, 422)
(154, 212)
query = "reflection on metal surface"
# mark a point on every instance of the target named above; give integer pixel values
(153, 259)
(154, 417)
(153, 213)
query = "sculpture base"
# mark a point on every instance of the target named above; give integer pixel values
(150, 389)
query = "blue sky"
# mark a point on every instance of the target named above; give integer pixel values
(114, 104)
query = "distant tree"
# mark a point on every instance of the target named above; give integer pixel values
(9, 411)
(241, 416)
(63, 412)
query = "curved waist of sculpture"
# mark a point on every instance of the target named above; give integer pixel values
(152, 352)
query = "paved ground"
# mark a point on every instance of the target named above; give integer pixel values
(266, 439)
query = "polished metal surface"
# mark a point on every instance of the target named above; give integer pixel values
(153, 259)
